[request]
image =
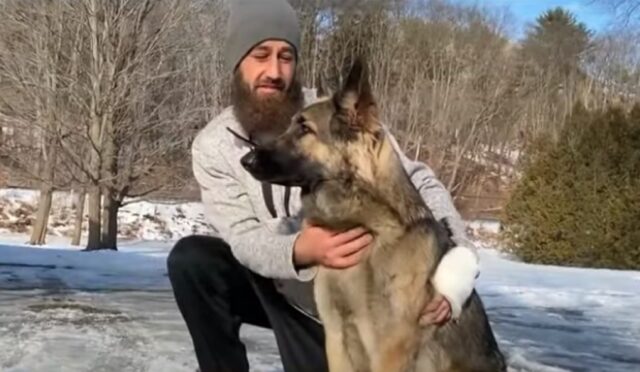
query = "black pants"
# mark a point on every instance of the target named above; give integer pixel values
(216, 294)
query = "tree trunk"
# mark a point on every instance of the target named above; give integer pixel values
(109, 177)
(39, 230)
(95, 130)
(93, 240)
(79, 208)
(110, 222)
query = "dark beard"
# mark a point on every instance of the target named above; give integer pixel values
(265, 118)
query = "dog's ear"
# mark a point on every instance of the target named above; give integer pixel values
(355, 98)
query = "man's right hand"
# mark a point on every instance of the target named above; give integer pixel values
(338, 250)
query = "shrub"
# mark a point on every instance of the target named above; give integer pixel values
(578, 201)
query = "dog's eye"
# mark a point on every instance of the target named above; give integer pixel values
(304, 128)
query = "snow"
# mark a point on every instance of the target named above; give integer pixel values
(62, 309)
(66, 310)
(568, 318)
(137, 219)
(484, 226)
(136, 266)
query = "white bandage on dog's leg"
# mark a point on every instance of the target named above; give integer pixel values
(455, 277)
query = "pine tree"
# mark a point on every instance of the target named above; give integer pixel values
(578, 202)
(557, 41)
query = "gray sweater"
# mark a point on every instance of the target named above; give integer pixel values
(235, 207)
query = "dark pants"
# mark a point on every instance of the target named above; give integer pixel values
(216, 294)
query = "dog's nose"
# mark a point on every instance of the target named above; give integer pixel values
(248, 161)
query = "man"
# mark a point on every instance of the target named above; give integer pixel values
(260, 266)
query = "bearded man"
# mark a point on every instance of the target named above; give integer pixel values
(258, 266)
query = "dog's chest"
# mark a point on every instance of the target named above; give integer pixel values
(350, 290)
(359, 290)
(390, 282)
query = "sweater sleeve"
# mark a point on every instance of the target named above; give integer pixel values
(456, 273)
(229, 211)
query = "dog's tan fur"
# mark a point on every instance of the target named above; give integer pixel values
(370, 312)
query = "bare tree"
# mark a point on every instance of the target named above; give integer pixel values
(104, 97)
(626, 12)
(118, 94)
(33, 62)
(139, 102)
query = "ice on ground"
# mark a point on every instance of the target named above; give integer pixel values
(65, 310)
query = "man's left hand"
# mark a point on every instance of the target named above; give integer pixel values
(437, 311)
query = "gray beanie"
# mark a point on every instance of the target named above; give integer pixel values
(253, 21)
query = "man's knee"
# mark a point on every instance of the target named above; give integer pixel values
(194, 249)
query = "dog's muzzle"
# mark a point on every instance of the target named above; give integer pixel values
(249, 161)
(262, 164)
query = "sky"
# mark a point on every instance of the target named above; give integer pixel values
(591, 12)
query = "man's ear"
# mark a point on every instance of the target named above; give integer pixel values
(355, 98)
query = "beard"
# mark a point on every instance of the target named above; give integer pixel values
(264, 118)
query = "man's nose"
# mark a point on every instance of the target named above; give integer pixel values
(274, 70)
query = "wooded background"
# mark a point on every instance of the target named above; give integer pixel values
(103, 97)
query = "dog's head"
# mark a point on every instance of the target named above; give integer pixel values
(337, 137)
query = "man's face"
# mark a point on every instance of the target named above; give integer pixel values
(266, 92)
(269, 68)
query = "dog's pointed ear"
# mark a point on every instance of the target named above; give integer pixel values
(355, 98)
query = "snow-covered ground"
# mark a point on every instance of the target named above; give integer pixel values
(66, 310)
(137, 219)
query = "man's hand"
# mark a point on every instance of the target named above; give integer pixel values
(438, 311)
(318, 246)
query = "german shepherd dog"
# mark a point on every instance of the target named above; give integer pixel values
(338, 153)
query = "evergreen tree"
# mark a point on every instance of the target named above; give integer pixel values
(557, 41)
(578, 202)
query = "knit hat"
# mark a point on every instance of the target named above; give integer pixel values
(253, 21)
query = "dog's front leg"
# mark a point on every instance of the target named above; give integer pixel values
(335, 346)
(396, 349)
(337, 357)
